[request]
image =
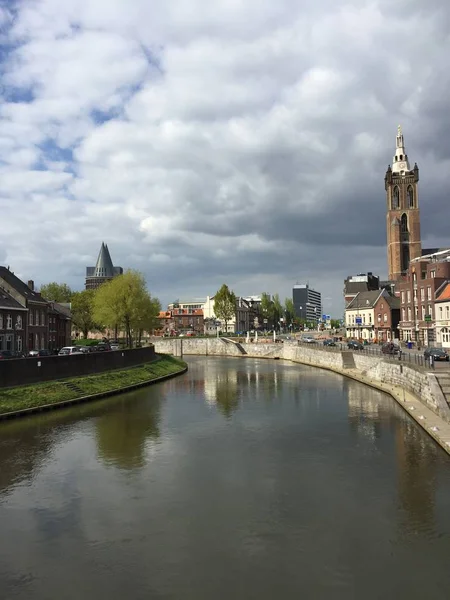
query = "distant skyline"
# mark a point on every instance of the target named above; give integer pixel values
(239, 143)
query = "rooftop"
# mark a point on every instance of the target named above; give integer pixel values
(7, 301)
(22, 288)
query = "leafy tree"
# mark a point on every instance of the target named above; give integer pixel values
(82, 311)
(225, 304)
(125, 302)
(277, 310)
(56, 292)
(289, 310)
(147, 316)
(266, 309)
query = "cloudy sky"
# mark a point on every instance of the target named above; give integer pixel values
(211, 142)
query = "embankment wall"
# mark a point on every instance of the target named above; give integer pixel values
(24, 371)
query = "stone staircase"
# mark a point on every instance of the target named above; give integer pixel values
(237, 344)
(444, 383)
(348, 361)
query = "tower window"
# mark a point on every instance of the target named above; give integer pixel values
(401, 156)
(410, 195)
(396, 199)
(404, 223)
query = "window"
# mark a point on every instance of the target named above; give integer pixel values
(416, 312)
(385, 317)
(36, 342)
(447, 312)
(440, 312)
(370, 319)
(37, 320)
(415, 295)
(409, 313)
(403, 314)
(31, 317)
(404, 224)
(9, 342)
(410, 195)
(429, 292)
(430, 310)
(19, 322)
(395, 199)
(422, 293)
(1, 321)
(19, 344)
(423, 313)
(403, 297)
(433, 273)
(42, 317)
(408, 293)
(8, 322)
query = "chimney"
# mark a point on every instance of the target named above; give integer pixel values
(31, 285)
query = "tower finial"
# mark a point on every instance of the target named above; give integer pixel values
(399, 130)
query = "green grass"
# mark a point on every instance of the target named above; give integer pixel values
(50, 392)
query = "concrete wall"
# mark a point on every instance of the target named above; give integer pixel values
(34, 370)
(374, 369)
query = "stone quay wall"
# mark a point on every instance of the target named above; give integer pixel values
(378, 371)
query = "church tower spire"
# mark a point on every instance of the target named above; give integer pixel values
(403, 215)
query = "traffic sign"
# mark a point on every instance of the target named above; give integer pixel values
(358, 320)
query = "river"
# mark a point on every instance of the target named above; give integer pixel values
(241, 479)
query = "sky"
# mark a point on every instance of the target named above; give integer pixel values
(206, 142)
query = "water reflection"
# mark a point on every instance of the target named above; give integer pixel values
(122, 435)
(240, 479)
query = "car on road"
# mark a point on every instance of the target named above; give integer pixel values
(390, 348)
(307, 339)
(354, 345)
(329, 342)
(5, 354)
(43, 352)
(438, 354)
(69, 350)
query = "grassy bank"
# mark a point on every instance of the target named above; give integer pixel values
(52, 392)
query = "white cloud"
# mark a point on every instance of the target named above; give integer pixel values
(244, 142)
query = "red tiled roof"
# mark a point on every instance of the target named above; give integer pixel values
(445, 294)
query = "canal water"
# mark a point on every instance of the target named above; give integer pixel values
(241, 479)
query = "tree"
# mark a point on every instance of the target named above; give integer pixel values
(56, 292)
(82, 311)
(289, 311)
(125, 302)
(277, 310)
(266, 309)
(225, 304)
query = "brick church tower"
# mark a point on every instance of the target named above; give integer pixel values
(403, 215)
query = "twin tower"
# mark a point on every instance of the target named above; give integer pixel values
(403, 216)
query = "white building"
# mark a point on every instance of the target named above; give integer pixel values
(442, 317)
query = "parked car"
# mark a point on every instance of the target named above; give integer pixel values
(84, 349)
(308, 339)
(102, 347)
(354, 345)
(67, 350)
(5, 354)
(329, 342)
(390, 348)
(44, 353)
(115, 346)
(17, 354)
(33, 353)
(437, 354)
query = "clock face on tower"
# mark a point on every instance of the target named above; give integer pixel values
(402, 165)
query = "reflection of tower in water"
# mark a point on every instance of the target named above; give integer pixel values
(416, 462)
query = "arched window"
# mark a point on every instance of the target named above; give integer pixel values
(396, 198)
(410, 195)
(404, 224)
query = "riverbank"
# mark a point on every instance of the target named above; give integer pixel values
(23, 400)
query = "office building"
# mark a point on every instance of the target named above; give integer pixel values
(307, 303)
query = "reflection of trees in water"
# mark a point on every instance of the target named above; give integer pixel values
(227, 397)
(122, 434)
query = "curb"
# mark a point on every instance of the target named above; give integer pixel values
(57, 405)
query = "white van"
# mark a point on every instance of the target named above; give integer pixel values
(70, 350)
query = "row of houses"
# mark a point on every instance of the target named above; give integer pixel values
(197, 317)
(415, 308)
(28, 321)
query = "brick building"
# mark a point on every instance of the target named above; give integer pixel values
(59, 326)
(181, 320)
(418, 291)
(13, 323)
(24, 294)
(373, 316)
